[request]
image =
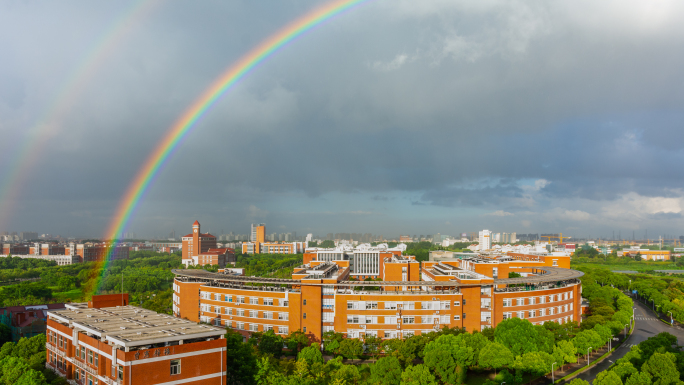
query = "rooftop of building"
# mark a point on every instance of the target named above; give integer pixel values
(131, 327)
(364, 247)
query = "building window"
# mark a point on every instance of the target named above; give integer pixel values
(464, 303)
(282, 329)
(268, 301)
(371, 305)
(304, 302)
(254, 301)
(175, 367)
(97, 356)
(120, 371)
(457, 317)
(304, 316)
(90, 356)
(457, 303)
(304, 329)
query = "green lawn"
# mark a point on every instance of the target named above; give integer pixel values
(641, 266)
(74, 295)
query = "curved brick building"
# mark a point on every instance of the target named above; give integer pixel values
(404, 298)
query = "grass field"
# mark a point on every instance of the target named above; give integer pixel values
(74, 295)
(641, 266)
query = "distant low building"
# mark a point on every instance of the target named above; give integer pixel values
(27, 321)
(202, 249)
(648, 255)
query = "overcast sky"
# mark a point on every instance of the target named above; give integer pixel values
(397, 117)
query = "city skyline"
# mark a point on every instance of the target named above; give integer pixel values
(393, 118)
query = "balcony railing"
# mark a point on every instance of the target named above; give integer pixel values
(85, 367)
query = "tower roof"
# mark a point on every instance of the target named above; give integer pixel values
(196, 223)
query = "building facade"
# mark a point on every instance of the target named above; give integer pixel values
(66, 254)
(201, 249)
(404, 299)
(96, 344)
(485, 240)
(27, 321)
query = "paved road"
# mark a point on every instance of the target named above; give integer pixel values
(647, 325)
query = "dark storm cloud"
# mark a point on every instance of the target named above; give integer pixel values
(527, 107)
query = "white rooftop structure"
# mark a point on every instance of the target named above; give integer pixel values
(130, 326)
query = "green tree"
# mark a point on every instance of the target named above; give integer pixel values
(564, 352)
(536, 363)
(267, 343)
(351, 348)
(586, 339)
(607, 378)
(296, 341)
(348, 374)
(66, 283)
(417, 375)
(240, 359)
(5, 334)
(578, 381)
(312, 354)
(662, 367)
(520, 336)
(495, 356)
(624, 370)
(639, 379)
(604, 332)
(372, 345)
(449, 356)
(327, 244)
(386, 371)
(12, 369)
(331, 341)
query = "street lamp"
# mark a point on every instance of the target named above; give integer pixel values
(625, 331)
(553, 379)
(588, 349)
(671, 321)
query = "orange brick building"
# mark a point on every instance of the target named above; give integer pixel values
(67, 254)
(131, 345)
(473, 292)
(201, 249)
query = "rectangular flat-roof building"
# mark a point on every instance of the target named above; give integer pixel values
(131, 345)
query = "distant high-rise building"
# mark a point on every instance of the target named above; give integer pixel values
(258, 233)
(485, 240)
(28, 235)
(437, 238)
(309, 238)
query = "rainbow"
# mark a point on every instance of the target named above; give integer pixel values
(46, 127)
(187, 121)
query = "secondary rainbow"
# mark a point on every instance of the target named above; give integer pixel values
(28, 153)
(187, 121)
